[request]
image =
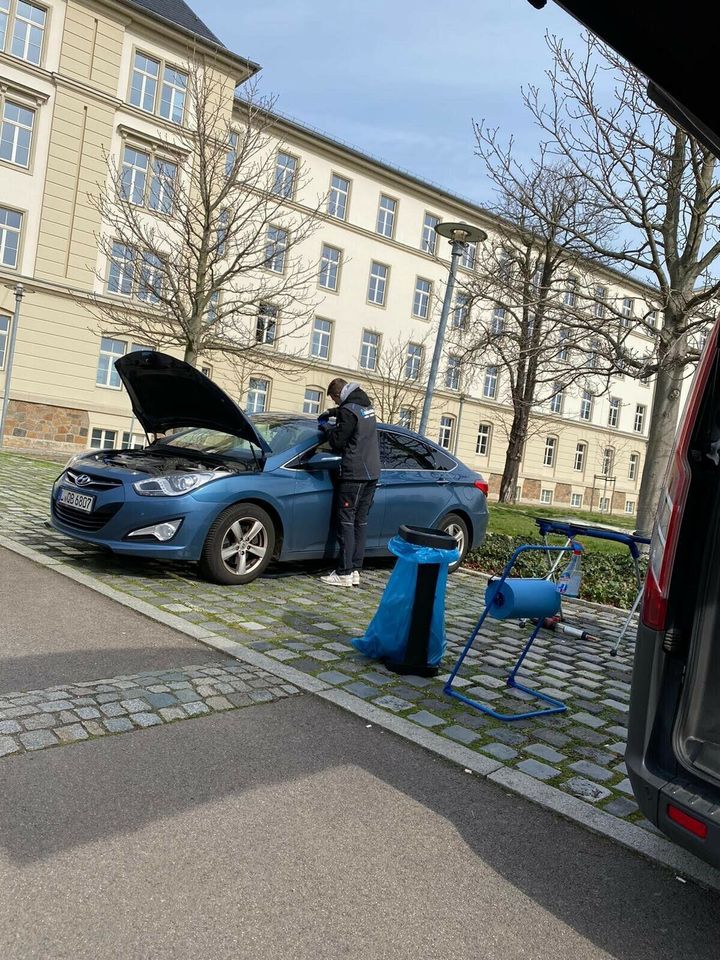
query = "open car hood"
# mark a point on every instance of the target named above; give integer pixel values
(167, 394)
(673, 44)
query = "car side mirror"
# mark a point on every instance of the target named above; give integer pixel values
(322, 461)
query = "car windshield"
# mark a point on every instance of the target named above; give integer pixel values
(280, 434)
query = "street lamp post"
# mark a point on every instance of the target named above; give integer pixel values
(19, 293)
(459, 235)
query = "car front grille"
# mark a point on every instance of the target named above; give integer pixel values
(88, 522)
(94, 482)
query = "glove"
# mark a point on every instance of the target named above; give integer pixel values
(324, 417)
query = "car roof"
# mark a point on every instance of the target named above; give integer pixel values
(675, 47)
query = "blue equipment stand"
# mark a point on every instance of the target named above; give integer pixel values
(556, 706)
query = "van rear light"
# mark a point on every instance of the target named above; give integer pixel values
(482, 485)
(697, 827)
(672, 501)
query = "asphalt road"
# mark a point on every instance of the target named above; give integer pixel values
(54, 631)
(294, 830)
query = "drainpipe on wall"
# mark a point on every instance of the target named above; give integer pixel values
(457, 425)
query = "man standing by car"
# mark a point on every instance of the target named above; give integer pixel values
(354, 436)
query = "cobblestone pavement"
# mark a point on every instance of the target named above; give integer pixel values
(69, 713)
(287, 617)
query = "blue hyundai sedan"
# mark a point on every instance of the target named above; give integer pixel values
(233, 493)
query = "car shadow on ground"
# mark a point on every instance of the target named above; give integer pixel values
(63, 799)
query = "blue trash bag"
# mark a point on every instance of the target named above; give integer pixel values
(387, 633)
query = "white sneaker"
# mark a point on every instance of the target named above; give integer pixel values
(336, 579)
(356, 578)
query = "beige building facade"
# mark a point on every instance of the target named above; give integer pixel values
(83, 79)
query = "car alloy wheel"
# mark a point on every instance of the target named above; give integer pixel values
(457, 532)
(244, 546)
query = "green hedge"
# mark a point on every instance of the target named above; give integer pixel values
(606, 577)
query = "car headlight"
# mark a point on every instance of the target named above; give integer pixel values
(176, 484)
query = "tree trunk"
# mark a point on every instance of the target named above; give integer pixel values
(661, 434)
(191, 355)
(513, 456)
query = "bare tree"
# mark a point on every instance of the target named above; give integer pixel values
(202, 233)
(539, 328)
(660, 190)
(399, 378)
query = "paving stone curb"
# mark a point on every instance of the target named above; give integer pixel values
(627, 834)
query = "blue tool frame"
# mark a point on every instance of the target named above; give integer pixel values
(556, 706)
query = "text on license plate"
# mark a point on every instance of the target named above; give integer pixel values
(79, 501)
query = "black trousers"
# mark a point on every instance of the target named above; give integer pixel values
(352, 506)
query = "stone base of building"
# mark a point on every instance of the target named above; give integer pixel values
(40, 426)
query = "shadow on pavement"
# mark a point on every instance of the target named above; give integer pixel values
(85, 797)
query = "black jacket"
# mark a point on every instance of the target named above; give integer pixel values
(355, 436)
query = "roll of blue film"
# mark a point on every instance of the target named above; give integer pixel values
(522, 598)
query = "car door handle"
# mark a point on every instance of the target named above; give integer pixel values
(442, 480)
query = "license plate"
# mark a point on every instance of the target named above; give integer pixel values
(78, 501)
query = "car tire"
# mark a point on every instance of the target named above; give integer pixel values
(458, 529)
(239, 545)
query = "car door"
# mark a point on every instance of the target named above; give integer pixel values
(312, 531)
(414, 486)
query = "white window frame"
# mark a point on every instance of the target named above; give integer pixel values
(258, 388)
(627, 310)
(428, 236)
(580, 457)
(321, 338)
(386, 215)
(461, 310)
(546, 496)
(497, 321)
(446, 432)
(110, 379)
(31, 28)
(557, 399)
(330, 264)
(639, 421)
(369, 349)
(17, 127)
(131, 441)
(103, 439)
(6, 231)
(631, 505)
(484, 439)
(413, 361)
(491, 379)
(563, 348)
(586, 406)
(177, 93)
(604, 505)
(453, 373)
(406, 417)
(378, 283)
(600, 293)
(284, 175)
(5, 323)
(614, 412)
(266, 324)
(421, 298)
(550, 451)
(313, 404)
(608, 461)
(338, 201)
(576, 500)
(276, 252)
(469, 255)
(161, 84)
(633, 466)
(570, 295)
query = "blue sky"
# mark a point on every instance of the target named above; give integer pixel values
(400, 79)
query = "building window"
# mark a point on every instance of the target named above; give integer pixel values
(133, 175)
(563, 337)
(421, 300)
(211, 307)
(276, 249)
(163, 177)
(604, 504)
(452, 373)
(576, 499)
(586, 405)
(406, 417)
(144, 88)
(132, 441)
(600, 295)
(103, 439)
(150, 278)
(546, 496)
(110, 351)
(556, 401)
(377, 286)
(207, 372)
(608, 461)
(329, 267)
(387, 209)
(320, 339)
(284, 180)
(497, 323)
(312, 402)
(338, 197)
(629, 506)
(550, 451)
(4, 333)
(16, 130)
(25, 23)
(579, 461)
(639, 424)
(257, 396)
(222, 232)
(614, 412)
(634, 466)
(593, 354)
(469, 256)
(447, 426)
(122, 269)
(653, 318)
(490, 383)
(627, 310)
(369, 348)
(428, 241)
(266, 324)
(10, 226)
(413, 361)
(482, 447)
(570, 296)
(461, 310)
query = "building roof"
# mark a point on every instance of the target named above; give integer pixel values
(180, 14)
